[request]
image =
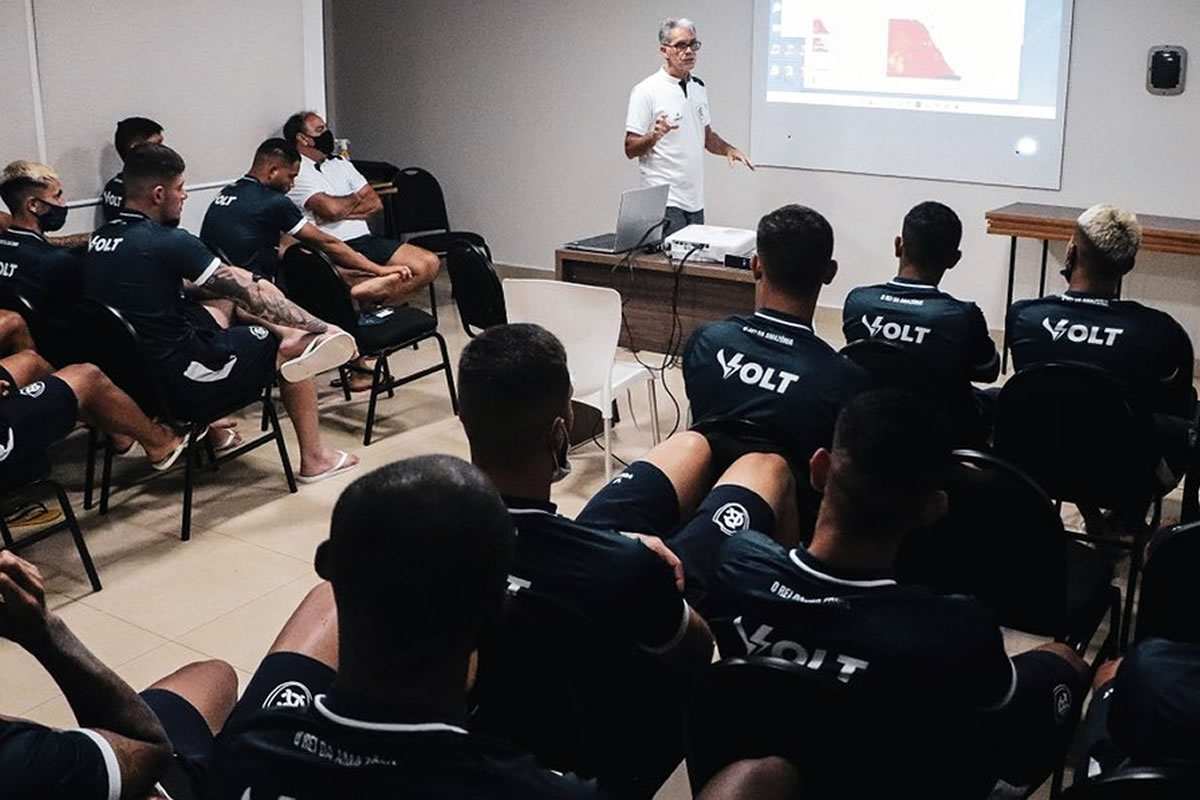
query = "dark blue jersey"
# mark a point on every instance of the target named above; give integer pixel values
(48, 276)
(326, 750)
(112, 199)
(861, 629)
(1144, 349)
(948, 334)
(770, 368)
(593, 585)
(138, 267)
(1155, 714)
(244, 223)
(37, 762)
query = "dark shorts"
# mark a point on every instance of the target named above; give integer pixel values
(678, 219)
(199, 393)
(282, 680)
(640, 499)
(192, 741)
(1040, 719)
(379, 249)
(37, 416)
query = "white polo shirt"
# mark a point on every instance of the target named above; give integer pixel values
(337, 177)
(677, 159)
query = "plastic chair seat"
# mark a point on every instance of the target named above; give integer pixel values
(392, 328)
(440, 242)
(624, 376)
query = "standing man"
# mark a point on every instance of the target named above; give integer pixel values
(131, 132)
(667, 127)
(337, 198)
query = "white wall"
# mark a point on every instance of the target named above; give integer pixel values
(518, 107)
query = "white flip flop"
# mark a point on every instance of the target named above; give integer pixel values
(168, 462)
(323, 353)
(337, 469)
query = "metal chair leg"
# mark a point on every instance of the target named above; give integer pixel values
(269, 410)
(449, 373)
(607, 449)
(189, 475)
(433, 310)
(375, 391)
(89, 470)
(106, 475)
(80, 545)
(654, 429)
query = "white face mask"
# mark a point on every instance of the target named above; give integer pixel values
(562, 464)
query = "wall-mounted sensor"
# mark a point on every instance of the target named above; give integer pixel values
(1026, 146)
(1166, 69)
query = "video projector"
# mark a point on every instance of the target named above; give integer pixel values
(709, 243)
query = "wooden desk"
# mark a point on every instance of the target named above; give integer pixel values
(1057, 223)
(706, 292)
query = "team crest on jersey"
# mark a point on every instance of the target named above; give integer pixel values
(732, 518)
(34, 389)
(1062, 702)
(292, 694)
(259, 332)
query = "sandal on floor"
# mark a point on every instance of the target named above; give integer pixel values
(341, 466)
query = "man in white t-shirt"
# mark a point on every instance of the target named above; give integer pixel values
(668, 128)
(336, 198)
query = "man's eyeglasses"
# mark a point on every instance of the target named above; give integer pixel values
(683, 47)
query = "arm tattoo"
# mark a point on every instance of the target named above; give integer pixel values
(262, 299)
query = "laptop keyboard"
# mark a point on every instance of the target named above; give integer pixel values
(605, 241)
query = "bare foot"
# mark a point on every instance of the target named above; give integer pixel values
(328, 459)
(172, 440)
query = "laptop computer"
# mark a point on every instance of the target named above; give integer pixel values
(639, 223)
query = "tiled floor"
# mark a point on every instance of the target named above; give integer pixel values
(225, 593)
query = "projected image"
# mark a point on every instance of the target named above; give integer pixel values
(996, 58)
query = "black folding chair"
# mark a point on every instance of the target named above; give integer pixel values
(844, 740)
(1138, 783)
(1071, 428)
(1002, 540)
(891, 366)
(477, 289)
(112, 344)
(314, 284)
(50, 335)
(23, 480)
(1170, 594)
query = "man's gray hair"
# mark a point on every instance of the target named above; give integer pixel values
(671, 23)
(1116, 234)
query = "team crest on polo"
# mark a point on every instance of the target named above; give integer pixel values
(732, 518)
(1062, 702)
(34, 389)
(292, 694)
(259, 332)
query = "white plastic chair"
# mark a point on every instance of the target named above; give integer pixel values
(587, 319)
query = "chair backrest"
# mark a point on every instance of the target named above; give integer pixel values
(107, 340)
(844, 741)
(892, 366)
(1071, 428)
(1170, 594)
(1001, 540)
(313, 283)
(375, 171)
(1137, 783)
(477, 290)
(587, 319)
(51, 336)
(418, 205)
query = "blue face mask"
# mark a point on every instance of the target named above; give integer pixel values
(53, 219)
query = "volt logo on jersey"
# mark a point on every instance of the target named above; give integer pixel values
(894, 331)
(99, 244)
(7, 270)
(224, 199)
(1080, 333)
(762, 643)
(754, 374)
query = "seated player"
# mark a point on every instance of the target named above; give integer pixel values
(14, 334)
(246, 220)
(1144, 349)
(213, 354)
(836, 608)
(337, 199)
(39, 406)
(120, 749)
(367, 697)
(1145, 710)
(47, 275)
(603, 587)
(948, 334)
(771, 368)
(131, 132)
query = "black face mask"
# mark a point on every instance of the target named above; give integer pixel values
(53, 219)
(324, 142)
